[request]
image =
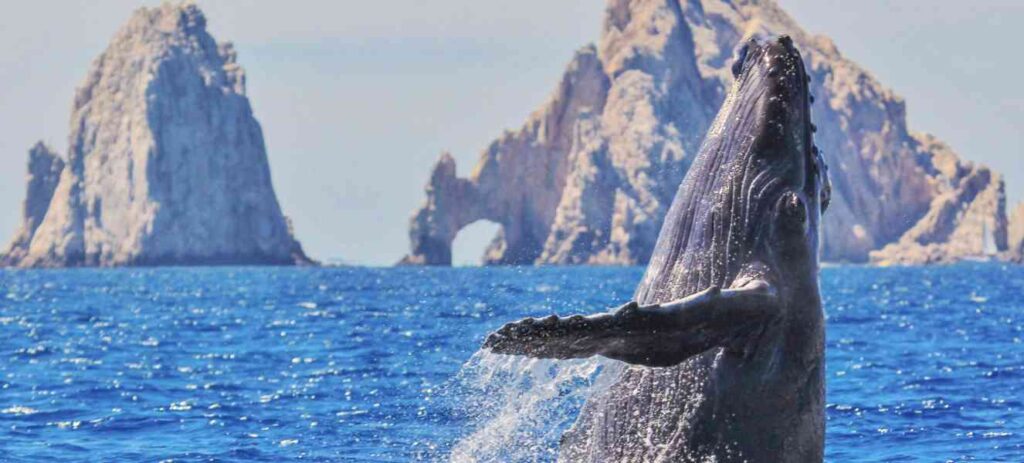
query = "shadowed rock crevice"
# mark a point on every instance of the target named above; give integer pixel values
(588, 178)
(166, 162)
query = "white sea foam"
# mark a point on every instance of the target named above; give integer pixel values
(182, 406)
(519, 407)
(18, 410)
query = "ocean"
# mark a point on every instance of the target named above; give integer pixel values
(364, 364)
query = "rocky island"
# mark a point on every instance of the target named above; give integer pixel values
(166, 164)
(588, 177)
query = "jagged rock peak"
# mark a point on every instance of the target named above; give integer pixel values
(44, 169)
(166, 162)
(588, 178)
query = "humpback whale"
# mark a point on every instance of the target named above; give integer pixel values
(724, 339)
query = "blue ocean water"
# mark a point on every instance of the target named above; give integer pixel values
(352, 364)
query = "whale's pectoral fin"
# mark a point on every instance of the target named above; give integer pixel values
(654, 335)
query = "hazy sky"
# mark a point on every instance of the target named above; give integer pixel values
(357, 99)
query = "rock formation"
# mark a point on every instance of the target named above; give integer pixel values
(588, 177)
(166, 163)
(44, 169)
(961, 222)
(1016, 234)
(518, 181)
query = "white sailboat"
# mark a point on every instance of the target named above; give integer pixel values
(989, 249)
(989, 242)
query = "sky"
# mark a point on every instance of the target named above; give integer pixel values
(358, 99)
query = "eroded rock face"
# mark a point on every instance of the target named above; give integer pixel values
(653, 82)
(963, 221)
(166, 163)
(519, 180)
(44, 169)
(1016, 234)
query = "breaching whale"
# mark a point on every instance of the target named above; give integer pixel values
(725, 337)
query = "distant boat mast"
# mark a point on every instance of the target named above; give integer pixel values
(988, 241)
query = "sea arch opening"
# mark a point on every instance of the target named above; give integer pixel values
(471, 241)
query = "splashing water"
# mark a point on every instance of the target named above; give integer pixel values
(519, 407)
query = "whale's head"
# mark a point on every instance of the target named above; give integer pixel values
(755, 192)
(790, 189)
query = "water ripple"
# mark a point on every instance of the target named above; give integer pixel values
(252, 364)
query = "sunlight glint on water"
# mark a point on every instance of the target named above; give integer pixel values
(356, 364)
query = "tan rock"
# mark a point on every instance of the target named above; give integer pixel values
(1016, 234)
(962, 222)
(518, 181)
(166, 163)
(44, 169)
(661, 71)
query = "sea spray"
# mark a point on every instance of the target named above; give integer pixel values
(517, 408)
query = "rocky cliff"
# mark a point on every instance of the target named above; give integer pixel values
(44, 169)
(1016, 234)
(966, 217)
(166, 163)
(519, 179)
(588, 178)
